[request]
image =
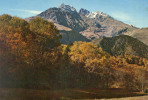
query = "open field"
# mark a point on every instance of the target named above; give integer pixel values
(66, 94)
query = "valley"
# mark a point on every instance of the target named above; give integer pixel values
(63, 53)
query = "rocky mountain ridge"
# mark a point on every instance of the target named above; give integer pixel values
(90, 25)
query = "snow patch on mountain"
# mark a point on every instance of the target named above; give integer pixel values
(101, 13)
(95, 14)
(92, 15)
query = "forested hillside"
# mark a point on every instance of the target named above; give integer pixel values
(123, 45)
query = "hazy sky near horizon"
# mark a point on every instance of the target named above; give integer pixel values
(134, 12)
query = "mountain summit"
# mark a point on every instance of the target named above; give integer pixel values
(67, 8)
(83, 12)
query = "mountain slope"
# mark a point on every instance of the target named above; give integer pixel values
(123, 45)
(101, 24)
(140, 34)
(72, 36)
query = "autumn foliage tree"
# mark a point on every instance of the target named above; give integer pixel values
(27, 50)
(93, 65)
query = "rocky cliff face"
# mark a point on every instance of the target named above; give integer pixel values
(83, 12)
(64, 15)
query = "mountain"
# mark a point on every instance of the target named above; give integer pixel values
(101, 24)
(64, 15)
(140, 34)
(89, 25)
(122, 44)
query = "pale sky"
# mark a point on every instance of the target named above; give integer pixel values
(133, 12)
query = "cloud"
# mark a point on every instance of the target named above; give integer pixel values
(128, 19)
(28, 11)
(121, 16)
